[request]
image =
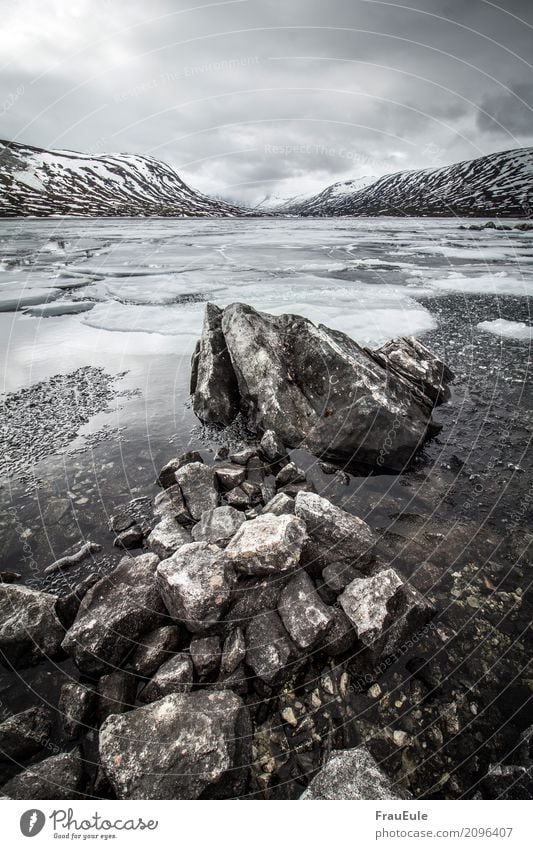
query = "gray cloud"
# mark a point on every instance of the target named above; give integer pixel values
(253, 97)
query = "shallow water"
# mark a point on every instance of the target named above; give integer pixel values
(456, 523)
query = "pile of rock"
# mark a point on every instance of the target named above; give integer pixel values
(207, 659)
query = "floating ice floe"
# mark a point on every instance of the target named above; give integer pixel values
(12, 300)
(59, 308)
(499, 283)
(509, 329)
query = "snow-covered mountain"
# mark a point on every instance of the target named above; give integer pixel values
(498, 184)
(61, 182)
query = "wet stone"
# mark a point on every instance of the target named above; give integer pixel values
(303, 613)
(267, 545)
(154, 648)
(166, 476)
(218, 526)
(175, 675)
(205, 654)
(166, 537)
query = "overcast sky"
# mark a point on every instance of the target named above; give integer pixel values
(248, 98)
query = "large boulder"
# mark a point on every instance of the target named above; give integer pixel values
(303, 612)
(267, 545)
(179, 747)
(316, 388)
(29, 626)
(218, 526)
(173, 676)
(25, 733)
(166, 537)
(196, 584)
(213, 382)
(269, 650)
(384, 610)
(351, 774)
(336, 535)
(115, 612)
(197, 483)
(412, 361)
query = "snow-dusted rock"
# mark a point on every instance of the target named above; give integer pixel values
(267, 545)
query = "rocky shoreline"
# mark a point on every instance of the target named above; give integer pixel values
(249, 642)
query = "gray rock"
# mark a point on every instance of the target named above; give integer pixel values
(292, 489)
(341, 636)
(243, 454)
(196, 584)
(197, 483)
(218, 526)
(167, 475)
(280, 505)
(268, 489)
(215, 392)
(170, 503)
(384, 610)
(25, 733)
(67, 606)
(120, 522)
(230, 476)
(272, 446)
(116, 693)
(8, 577)
(304, 614)
(244, 496)
(233, 652)
(154, 648)
(255, 470)
(166, 537)
(408, 358)
(267, 545)
(351, 774)
(253, 596)
(115, 612)
(175, 675)
(346, 403)
(269, 650)
(290, 473)
(178, 747)
(338, 575)
(29, 626)
(338, 535)
(58, 777)
(77, 704)
(205, 654)
(132, 537)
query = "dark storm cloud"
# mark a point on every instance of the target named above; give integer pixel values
(252, 97)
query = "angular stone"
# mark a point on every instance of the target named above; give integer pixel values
(269, 650)
(58, 777)
(408, 358)
(230, 476)
(175, 675)
(218, 526)
(116, 693)
(290, 473)
(166, 537)
(268, 489)
(154, 648)
(384, 610)
(197, 483)
(272, 446)
(167, 475)
(67, 606)
(170, 503)
(351, 774)
(77, 703)
(341, 636)
(292, 489)
(196, 584)
(255, 470)
(233, 652)
(120, 522)
(267, 545)
(115, 612)
(243, 454)
(179, 747)
(215, 392)
(304, 614)
(338, 575)
(253, 596)
(338, 535)
(29, 626)
(244, 496)
(205, 654)
(280, 505)
(132, 537)
(25, 733)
